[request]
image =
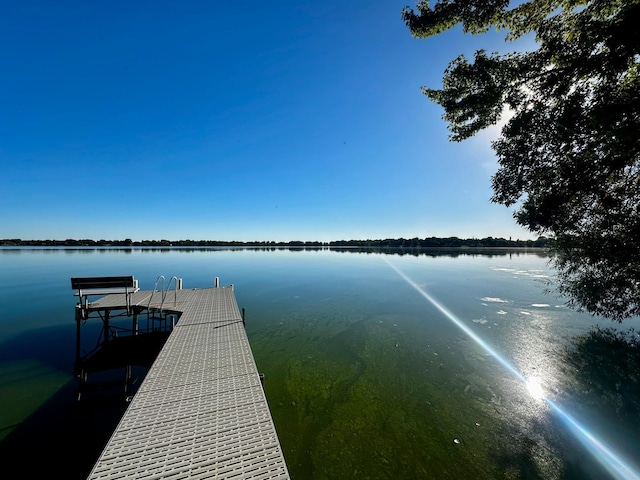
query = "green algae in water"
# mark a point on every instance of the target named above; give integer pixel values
(373, 399)
(364, 378)
(25, 386)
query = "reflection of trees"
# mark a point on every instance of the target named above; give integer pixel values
(437, 242)
(603, 366)
(543, 450)
(452, 252)
(602, 369)
(389, 243)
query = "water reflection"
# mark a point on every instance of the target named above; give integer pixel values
(614, 463)
(364, 375)
(534, 387)
(452, 252)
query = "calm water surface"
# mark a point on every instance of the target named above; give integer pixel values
(376, 366)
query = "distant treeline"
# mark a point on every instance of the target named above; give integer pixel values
(432, 242)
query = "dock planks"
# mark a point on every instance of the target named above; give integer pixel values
(201, 411)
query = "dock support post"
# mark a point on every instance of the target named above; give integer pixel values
(134, 322)
(243, 322)
(128, 375)
(78, 336)
(105, 327)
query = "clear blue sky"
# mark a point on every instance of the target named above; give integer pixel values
(284, 120)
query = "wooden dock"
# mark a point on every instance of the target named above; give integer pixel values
(201, 411)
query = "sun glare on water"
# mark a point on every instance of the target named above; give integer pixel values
(535, 389)
(618, 467)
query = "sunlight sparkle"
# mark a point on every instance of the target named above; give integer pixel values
(618, 467)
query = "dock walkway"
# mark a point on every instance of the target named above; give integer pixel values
(201, 411)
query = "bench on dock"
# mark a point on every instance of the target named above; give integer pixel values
(87, 286)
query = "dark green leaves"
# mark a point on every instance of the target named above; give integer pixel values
(569, 155)
(476, 16)
(473, 94)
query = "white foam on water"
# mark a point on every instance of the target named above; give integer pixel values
(494, 300)
(619, 467)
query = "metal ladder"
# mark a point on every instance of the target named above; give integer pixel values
(158, 314)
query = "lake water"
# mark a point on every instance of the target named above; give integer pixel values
(376, 365)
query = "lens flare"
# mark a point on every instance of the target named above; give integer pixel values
(613, 463)
(535, 389)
